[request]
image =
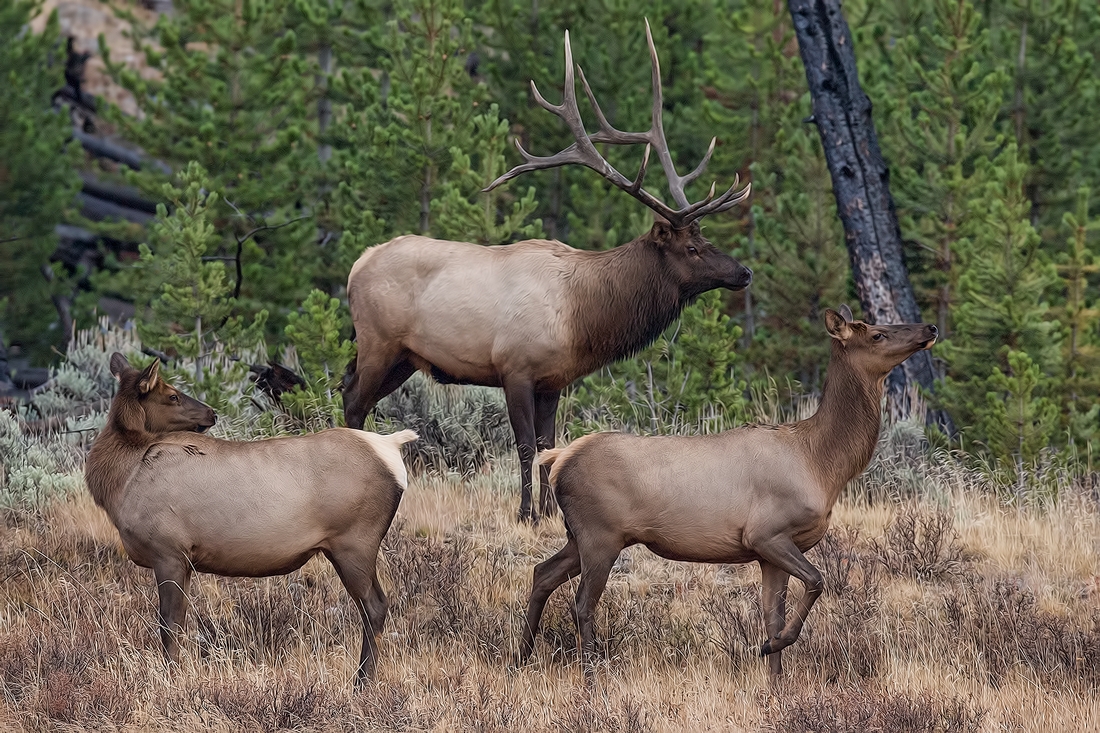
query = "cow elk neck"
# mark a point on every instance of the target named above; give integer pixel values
(842, 435)
(145, 408)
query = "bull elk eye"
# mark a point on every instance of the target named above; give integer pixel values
(693, 251)
(878, 337)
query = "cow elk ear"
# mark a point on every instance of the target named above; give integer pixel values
(149, 378)
(846, 313)
(837, 326)
(119, 365)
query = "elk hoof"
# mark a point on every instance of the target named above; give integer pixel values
(766, 649)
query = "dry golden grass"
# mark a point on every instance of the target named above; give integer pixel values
(962, 615)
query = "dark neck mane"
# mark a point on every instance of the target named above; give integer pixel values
(843, 433)
(624, 299)
(116, 451)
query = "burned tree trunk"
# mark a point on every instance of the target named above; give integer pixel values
(842, 112)
(6, 384)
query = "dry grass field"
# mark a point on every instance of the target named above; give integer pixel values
(953, 612)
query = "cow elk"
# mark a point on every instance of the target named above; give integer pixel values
(536, 315)
(183, 501)
(758, 493)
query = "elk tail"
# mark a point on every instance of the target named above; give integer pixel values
(547, 457)
(402, 437)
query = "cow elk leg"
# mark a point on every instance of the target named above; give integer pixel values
(773, 596)
(520, 399)
(546, 412)
(360, 578)
(173, 578)
(549, 576)
(785, 555)
(596, 565)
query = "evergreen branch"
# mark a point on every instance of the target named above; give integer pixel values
(245, 238)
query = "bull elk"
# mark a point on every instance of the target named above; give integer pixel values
(758, 493)
(183, 501)
(536, 315)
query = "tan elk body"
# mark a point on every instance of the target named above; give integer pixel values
(752, 494)
(534, 316)
(183, 502)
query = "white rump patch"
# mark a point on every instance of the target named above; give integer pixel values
(388, 449)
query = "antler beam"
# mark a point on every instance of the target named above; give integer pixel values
(583, 150)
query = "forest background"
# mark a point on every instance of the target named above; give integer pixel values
(289, 135)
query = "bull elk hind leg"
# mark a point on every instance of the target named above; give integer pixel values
(372, 375)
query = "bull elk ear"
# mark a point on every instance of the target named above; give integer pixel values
(662, 229)
(119, 365)
(846, 313)
(837, 326)
(149, 378)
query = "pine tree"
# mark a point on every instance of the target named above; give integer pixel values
(801, 266)
(1080, 383)
(1002, 324)
(315, 332)
(38, 180)
(1051, 49)
(235, 93)
(752, 72)
(184, 298)
(942, 124)
(1019, 419)
(419, 142)
(462, 210)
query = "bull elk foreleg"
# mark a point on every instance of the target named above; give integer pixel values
(519, 396)
(546, 411)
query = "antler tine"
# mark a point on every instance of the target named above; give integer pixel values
(702, 164)
(726, 201)
(571, 115)
(657, 130)
(637, 185)
(607, 133)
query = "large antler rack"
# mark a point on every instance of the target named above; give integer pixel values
(583, 150)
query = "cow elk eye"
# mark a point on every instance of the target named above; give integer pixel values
(878, 337)
(692, 250)
(175, 398)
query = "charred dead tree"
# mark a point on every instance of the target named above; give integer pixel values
(861, 178)
(6, 385)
